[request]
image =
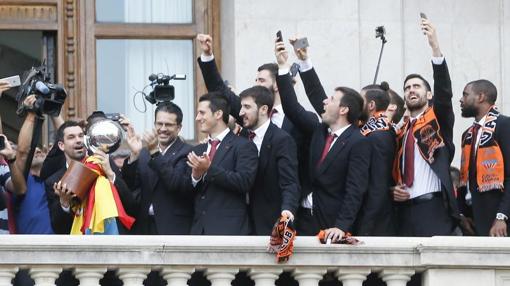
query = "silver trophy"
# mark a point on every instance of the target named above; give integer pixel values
(105, 135)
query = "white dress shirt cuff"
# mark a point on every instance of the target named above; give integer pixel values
(438, 60)
(283, 71)
(205, 58)
(67, 210)
(195, 182)
(305, 65)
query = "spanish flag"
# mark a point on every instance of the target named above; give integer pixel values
(97, 214)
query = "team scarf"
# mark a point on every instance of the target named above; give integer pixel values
(98, 212)
(282, 239)
(346, 239)
(378, 122)
(490, 171)
(427, 134)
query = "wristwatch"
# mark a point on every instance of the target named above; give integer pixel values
(500, 216)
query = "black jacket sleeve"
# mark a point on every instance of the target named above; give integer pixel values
(503, 127)
(176, 177)
(314, 90)
(305, 121)
(214, 82)
(442, 104)
(288, 180)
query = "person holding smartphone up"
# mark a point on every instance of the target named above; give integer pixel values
(423, 192)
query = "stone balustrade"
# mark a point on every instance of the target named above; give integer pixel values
(441, 260)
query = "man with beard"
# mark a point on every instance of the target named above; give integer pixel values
(70, 140)
(223, 172)
(339, 154)
(161, 173)
(485, 164)
(424, 191)
(276, 188)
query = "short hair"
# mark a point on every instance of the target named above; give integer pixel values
(399, 102)
(380, 97)
(455, 174)
(271, 67)
(217, 101)
(415, 75)
(261, 95)
(59, 136)
(353, 100)
(169, 107)
(486, 87)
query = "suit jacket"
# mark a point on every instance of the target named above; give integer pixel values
(220, 196)
(276, 186)
(214, 82)
(163, 182)
(340, 182)
(486, 205)
(62, 221)
(376, 215)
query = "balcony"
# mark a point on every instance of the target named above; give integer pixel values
(447, 261)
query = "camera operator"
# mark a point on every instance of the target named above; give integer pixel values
(161, 174)
(29, 196)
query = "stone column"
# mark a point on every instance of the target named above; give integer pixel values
(89, 276)
(264, 276)
(177, 275)
(396, 277)
(45, 276)
(309, 276)
(221, 276)
(133, 276)
(6, 275)
(352, 276)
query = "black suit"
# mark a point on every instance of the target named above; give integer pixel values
(220, 197)
(340, 182)
(276, 186)
(485, 205)
(164, 183)
(376, 215)
(62, 221)
(440, 218)
(214, 82)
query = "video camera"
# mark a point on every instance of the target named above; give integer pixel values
(162, 91)
(49, 97)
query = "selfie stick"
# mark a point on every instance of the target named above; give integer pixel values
(383, 39)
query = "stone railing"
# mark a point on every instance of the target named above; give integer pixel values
(441, 260)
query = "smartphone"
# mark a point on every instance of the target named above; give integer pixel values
(294, 68)
(113, 116)
(279, 36)
(2, 142)
(423, 16)
(12, 80)
(301, 43)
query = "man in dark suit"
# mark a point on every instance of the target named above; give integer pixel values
(161, 172)
(266, 76)
(339, 154)
(70, 138)
(485, 169)
(223, 172)
(276, 190)
(376, 216)
(424, 191)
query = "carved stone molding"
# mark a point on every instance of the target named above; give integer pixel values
(28, 13)
(70, 57)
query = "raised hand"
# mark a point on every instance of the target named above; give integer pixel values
(430, 31)
(281, 54)
(206, 44)
(302, 53)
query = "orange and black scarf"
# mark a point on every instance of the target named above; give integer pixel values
(378, 122)
(490, 171)
(426, 132)
(282, 239)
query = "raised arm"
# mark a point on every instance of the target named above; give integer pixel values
(305, 121)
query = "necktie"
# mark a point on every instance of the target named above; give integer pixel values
(472, 158)
(251, 135)
(214, 145)
(327, 145)
(409, 156)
